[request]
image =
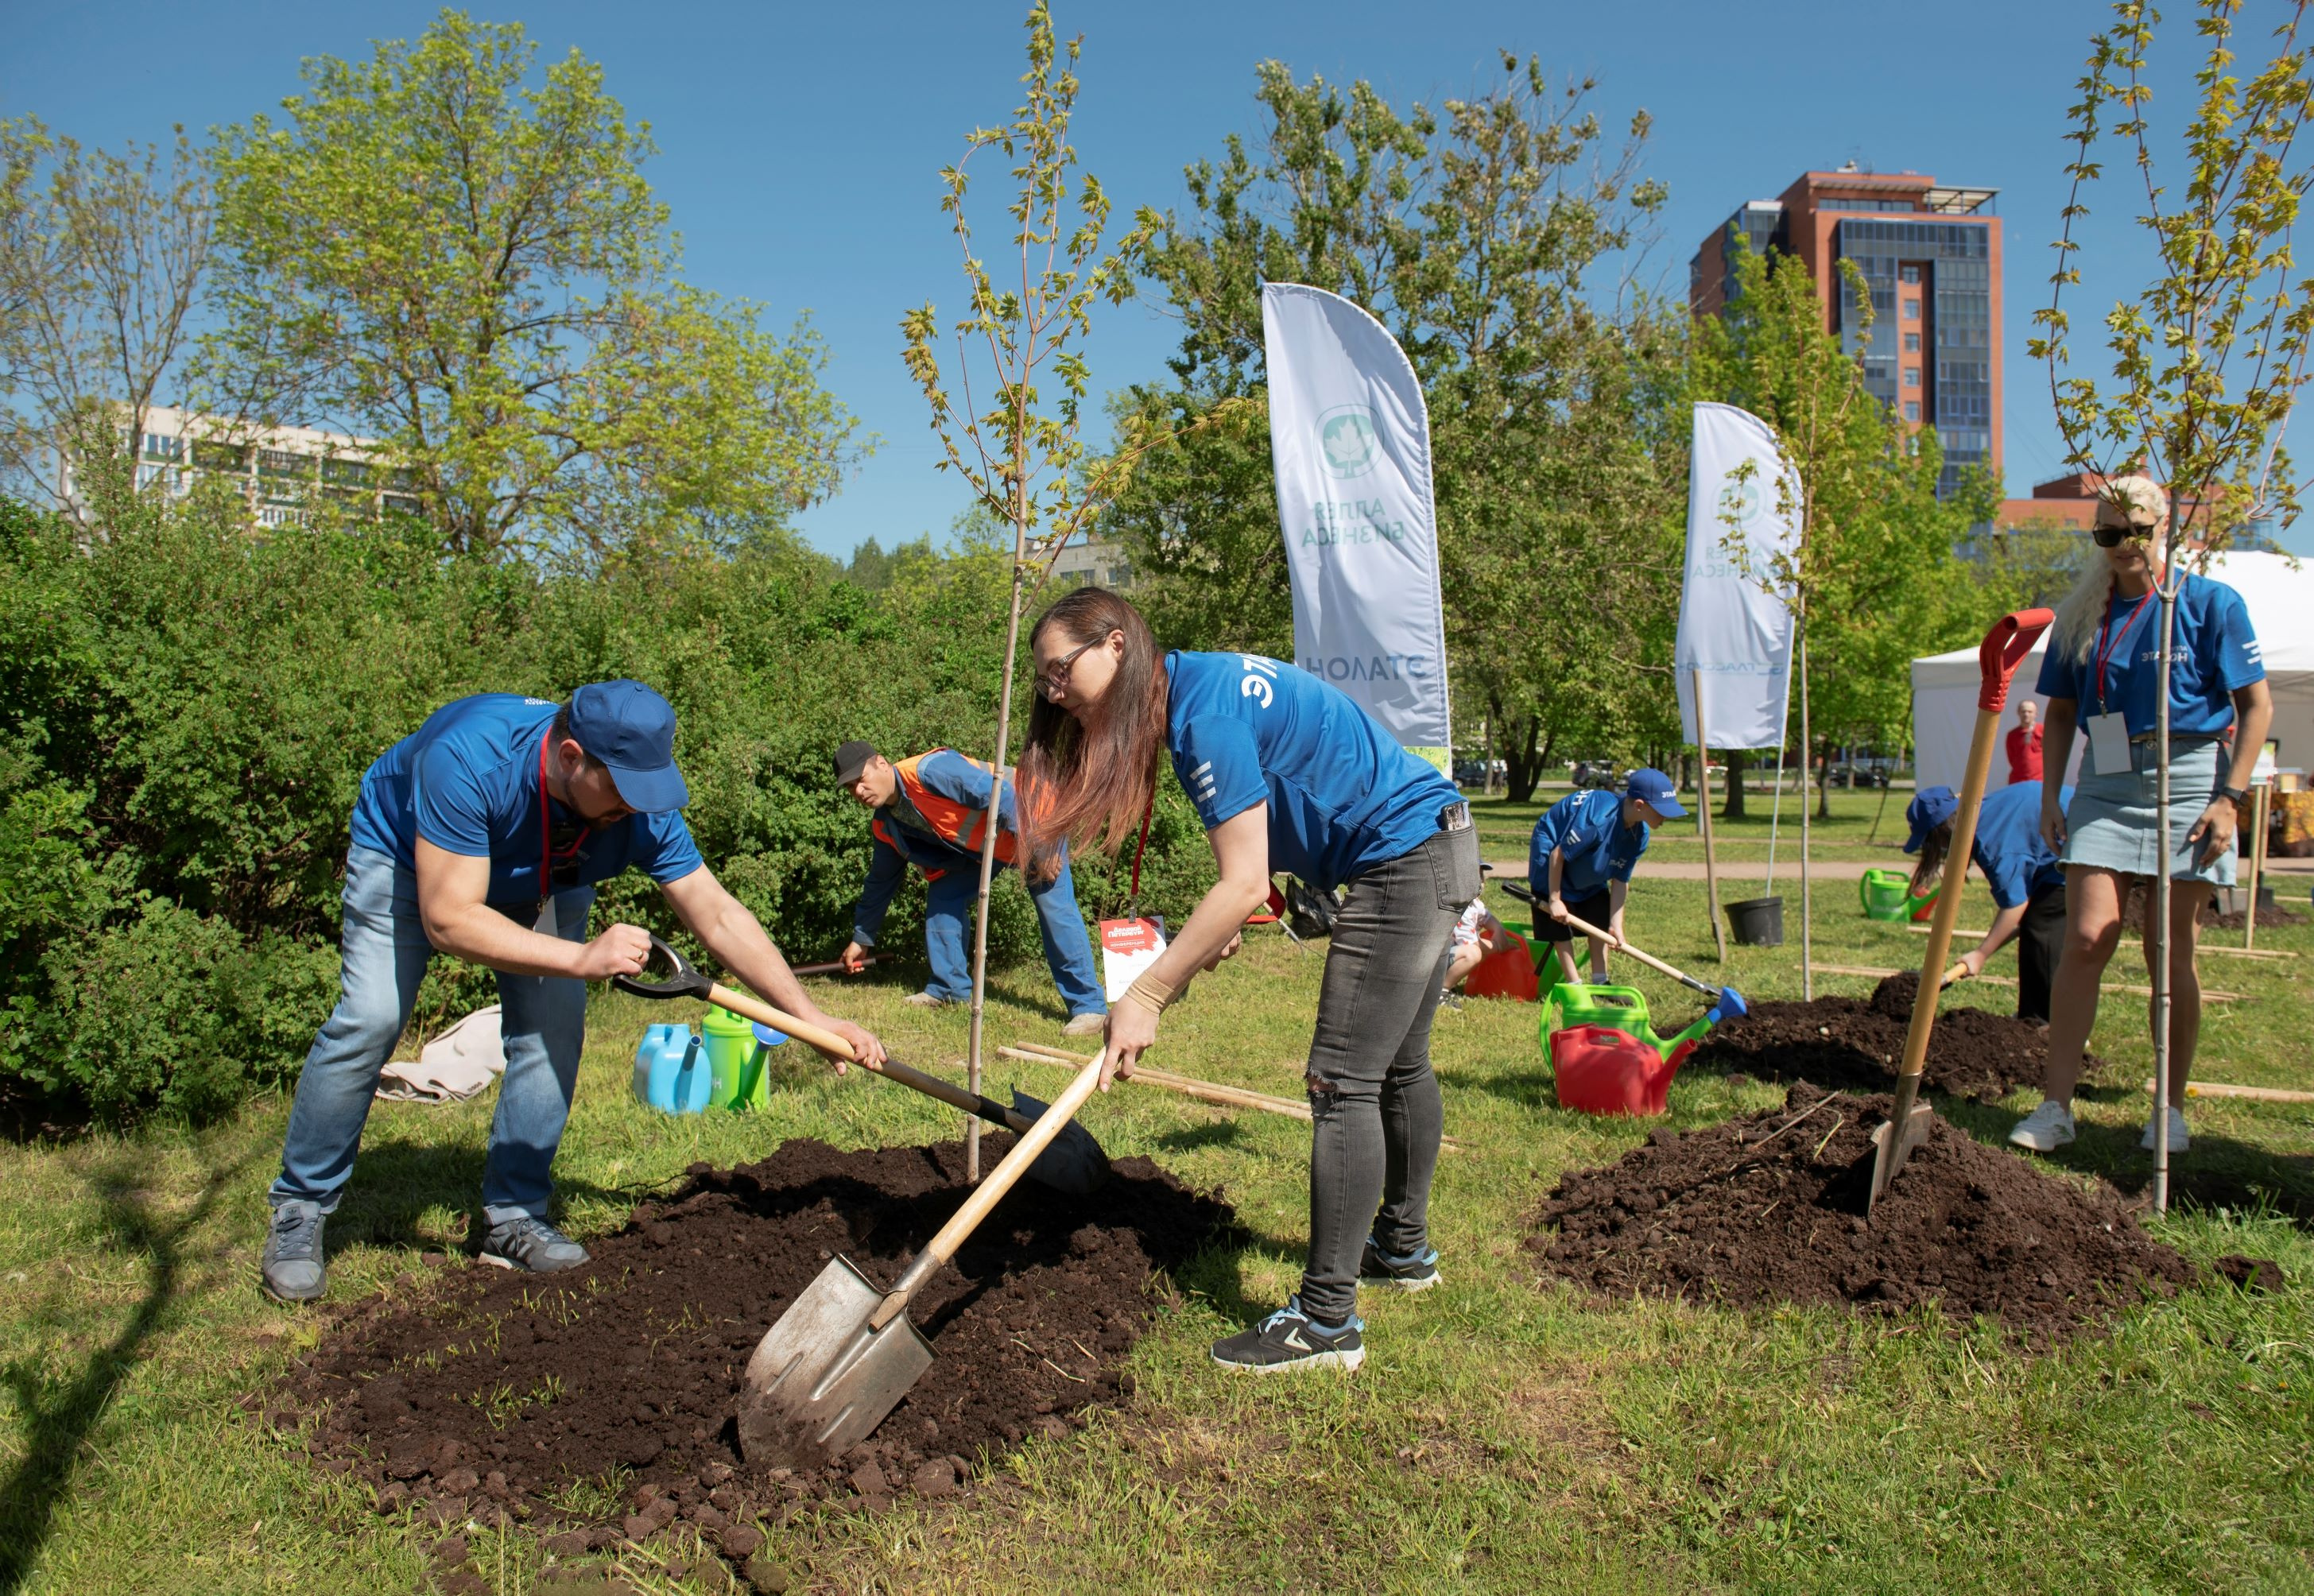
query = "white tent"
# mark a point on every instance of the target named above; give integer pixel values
(2280, 603)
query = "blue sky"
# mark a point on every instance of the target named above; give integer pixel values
(800, 145)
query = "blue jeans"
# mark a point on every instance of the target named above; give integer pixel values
(543, 1020)
(1068, 951)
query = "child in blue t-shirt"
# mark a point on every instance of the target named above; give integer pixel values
(1580, 858)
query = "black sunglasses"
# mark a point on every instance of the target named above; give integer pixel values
(2109, 537)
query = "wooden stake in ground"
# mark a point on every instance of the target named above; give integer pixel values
(2256, 859)
(1704, 814)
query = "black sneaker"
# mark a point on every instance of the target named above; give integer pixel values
(532, 1245)
(1291, 1339)
(1417, 1272)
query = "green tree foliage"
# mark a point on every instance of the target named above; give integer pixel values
(1478, 233)
(440, 250)
(186, 713)
(1876, 573)
(101, 261)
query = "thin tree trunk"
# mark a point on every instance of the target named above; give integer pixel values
(2157, 934)
(1732, 809)
(1807, 959)
(988, 851)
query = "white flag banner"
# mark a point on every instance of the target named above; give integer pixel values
(1351, 438)
(1731, 628)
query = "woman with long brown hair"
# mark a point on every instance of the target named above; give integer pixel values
(1287, 774)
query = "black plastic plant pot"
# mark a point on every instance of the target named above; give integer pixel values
(1757, 923)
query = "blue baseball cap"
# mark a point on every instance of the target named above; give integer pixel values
(1653, 788)
(1929, 810)
(631, 729)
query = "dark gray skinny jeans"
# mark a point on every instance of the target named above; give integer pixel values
(1374, 1103)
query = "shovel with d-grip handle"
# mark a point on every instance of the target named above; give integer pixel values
(1907, 1126)
(842, 1355)
(1074, 1164)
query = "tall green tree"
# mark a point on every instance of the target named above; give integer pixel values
(443, 250)
(1872, 564)
(1023, 457)
(103, 261)
(2208, 358)
(1484, 234)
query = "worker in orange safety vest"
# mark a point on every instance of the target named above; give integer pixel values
(931, 811)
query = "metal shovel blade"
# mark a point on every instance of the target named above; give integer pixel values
(1074, 1164)
(821, 1379)
(1890, 1150)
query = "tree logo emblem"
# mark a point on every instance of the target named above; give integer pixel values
(1345, 437)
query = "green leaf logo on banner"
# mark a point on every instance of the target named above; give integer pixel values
(1345, 435)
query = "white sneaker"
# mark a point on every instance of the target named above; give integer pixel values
(2047, 1128)
(2178, 1139)
(924, 1000)
(1088, 1024)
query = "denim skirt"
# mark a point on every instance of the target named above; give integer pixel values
(2111, 823)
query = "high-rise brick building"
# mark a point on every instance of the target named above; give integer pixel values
(1930, 255)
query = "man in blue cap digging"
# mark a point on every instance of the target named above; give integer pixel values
(1580, 859)
(482, 835)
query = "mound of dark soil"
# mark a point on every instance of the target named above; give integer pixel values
(2268, 914)
(1841, 1044)
(501, 1391)
(1770, 1209)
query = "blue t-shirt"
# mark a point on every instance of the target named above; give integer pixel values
(2217, 653)
(1588, 828)
(1343, 796)
(467, 781)
(2018, 863)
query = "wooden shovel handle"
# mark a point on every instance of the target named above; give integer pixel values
(1648, 959)
(753, 1007)
(990, 1192)
(2009, 640)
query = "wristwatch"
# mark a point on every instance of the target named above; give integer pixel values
(2236, 793)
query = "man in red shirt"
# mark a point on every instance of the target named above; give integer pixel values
(2025, 743)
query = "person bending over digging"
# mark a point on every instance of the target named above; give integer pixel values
(2101, 675)
(2028, 889)
(1286, 774)
(482, 835)
(1580, 859)
(928, 813)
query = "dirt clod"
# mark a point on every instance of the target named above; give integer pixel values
(605, 1397)
(1770, 1208)
(1840, 1043)
(2257, 1274)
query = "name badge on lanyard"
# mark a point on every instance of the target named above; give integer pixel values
(2108, 730)
(2108, 742)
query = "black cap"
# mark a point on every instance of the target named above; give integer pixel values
(851, 760)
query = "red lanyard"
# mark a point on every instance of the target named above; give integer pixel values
(1140, 849)
(2113, 637)
(545, 837)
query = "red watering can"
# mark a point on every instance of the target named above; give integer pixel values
(1600, 1070)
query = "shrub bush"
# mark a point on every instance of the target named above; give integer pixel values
(186, 711)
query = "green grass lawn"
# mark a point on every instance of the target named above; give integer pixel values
(1503, 1434)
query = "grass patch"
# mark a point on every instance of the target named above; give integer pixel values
(1503, 1434)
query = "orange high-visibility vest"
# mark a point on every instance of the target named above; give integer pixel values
(921, 809)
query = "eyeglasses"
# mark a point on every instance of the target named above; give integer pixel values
(1056, 674)
(2109, 537)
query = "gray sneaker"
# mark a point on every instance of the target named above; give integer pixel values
(532, 1245)
(293, 1270)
